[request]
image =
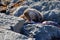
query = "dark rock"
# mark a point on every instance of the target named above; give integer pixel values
(47, 32)
(39, 31)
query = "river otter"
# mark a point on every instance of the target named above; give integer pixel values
(32, 15)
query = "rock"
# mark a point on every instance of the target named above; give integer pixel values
(35, 0)
(53, 15)
(20, 10)
(42, 0)
(45, 5)
(28, 29)
(41, 32)
(11, 22)
(47, 34)
(37, 6)
(28, 2)
(50, 23)
(10, 35)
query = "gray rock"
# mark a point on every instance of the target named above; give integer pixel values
(20, 10)
(52, 15)
(10, 35)
(8, 22)
(43, 0)
(46, 5)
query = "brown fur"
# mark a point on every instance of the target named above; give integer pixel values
(26, 15)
